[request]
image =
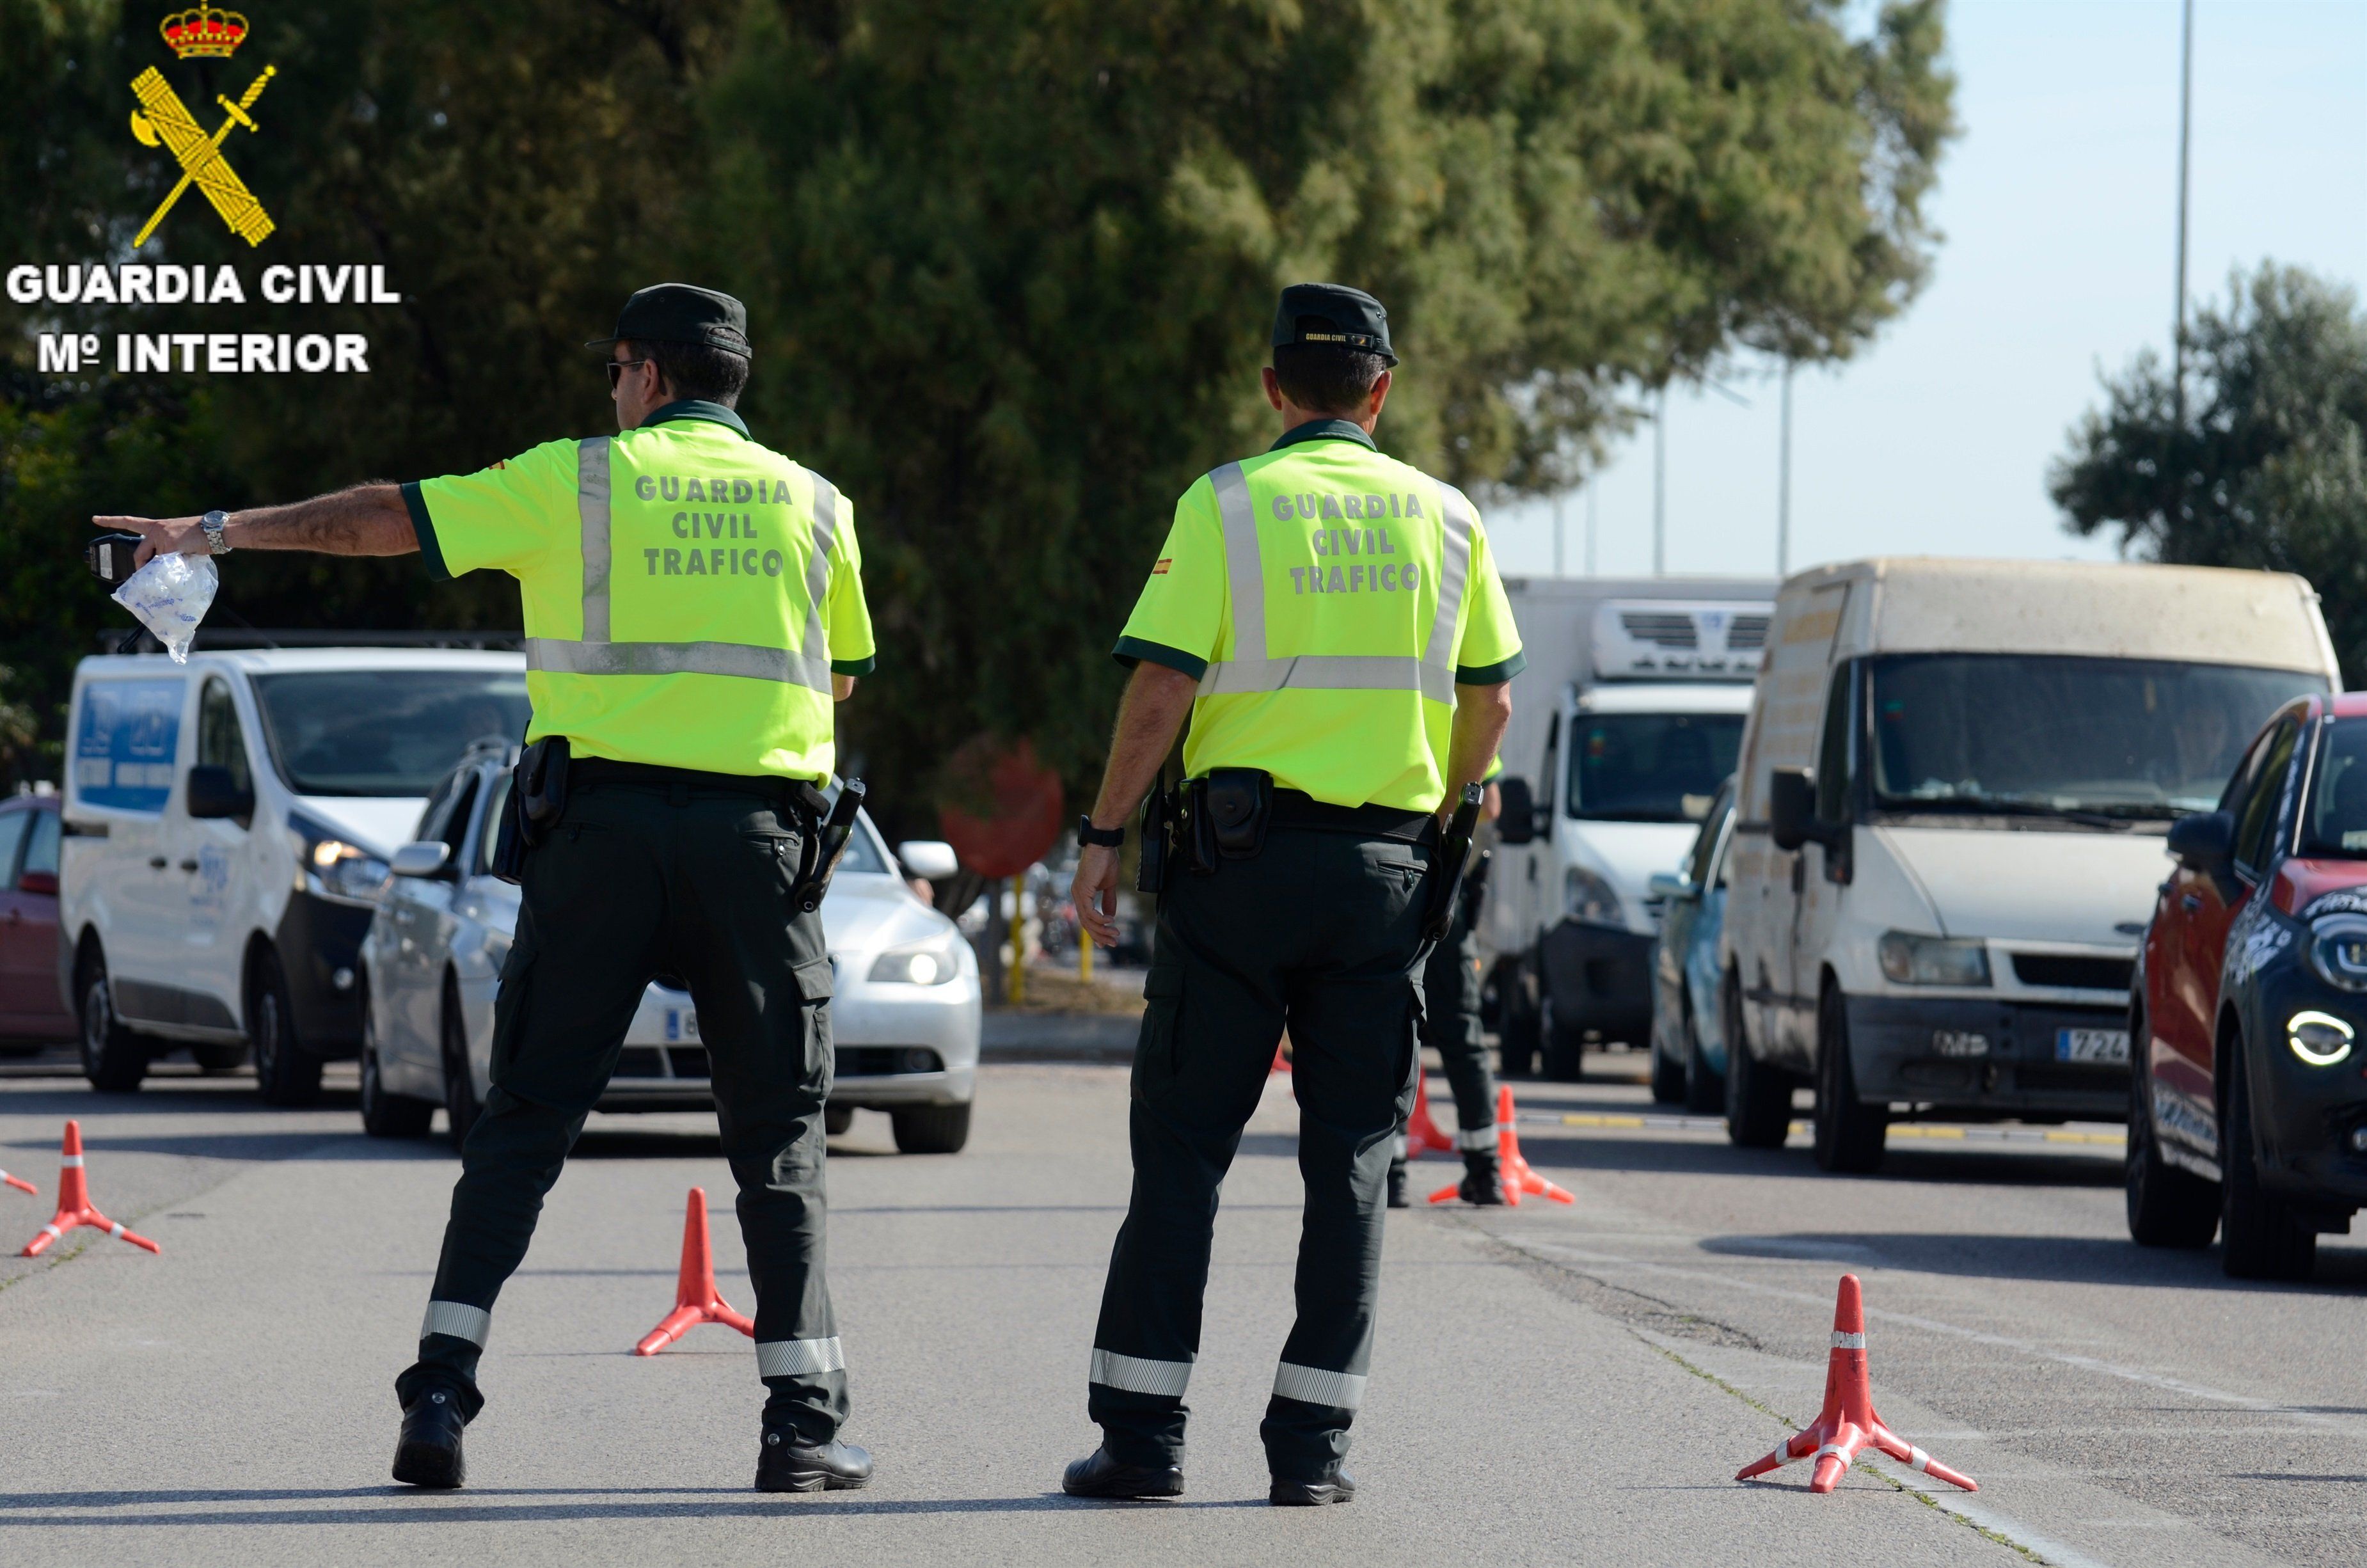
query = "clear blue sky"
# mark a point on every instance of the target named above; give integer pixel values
(2058, 205)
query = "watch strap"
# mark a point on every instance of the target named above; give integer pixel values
(1105, 837)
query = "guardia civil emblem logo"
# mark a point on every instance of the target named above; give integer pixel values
(201, 32)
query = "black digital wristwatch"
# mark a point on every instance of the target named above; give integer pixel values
(1104, 837)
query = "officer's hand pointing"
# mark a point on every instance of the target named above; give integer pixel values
(1094, 893)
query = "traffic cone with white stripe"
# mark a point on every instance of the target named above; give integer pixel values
(1421, 1129)
(1849, 1423)
(1519, 1178)
(19, 1183)
(695, 1299)
(74, 1206)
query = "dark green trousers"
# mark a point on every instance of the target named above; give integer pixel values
(636, 881)
(1451, 1026)
(1317, 934)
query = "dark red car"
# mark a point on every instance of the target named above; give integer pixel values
(2249, 1114)
(31, 1011)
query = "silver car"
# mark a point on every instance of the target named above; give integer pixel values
(904, 1015)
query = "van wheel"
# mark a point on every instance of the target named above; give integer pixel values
(461, 1105)
(2260, 1236)
(1758, 1097)
(113, 1058)
(1563, 1048)
(2167, 1207)
(1518, 1039)
(931, 1128)
(1850, 1132)
(1705, 1085)
(837, 1118)
(285, 1073)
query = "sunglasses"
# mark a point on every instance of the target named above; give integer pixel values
(617, 369)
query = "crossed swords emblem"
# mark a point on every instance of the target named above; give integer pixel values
(162, 120)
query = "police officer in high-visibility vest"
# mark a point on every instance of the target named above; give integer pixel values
(1451, 1026)
(694, 607)
(1331, 622)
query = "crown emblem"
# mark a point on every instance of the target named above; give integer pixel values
(204, 30)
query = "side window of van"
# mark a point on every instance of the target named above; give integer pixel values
(1834, 752)
(221, 741)
(2258, 819)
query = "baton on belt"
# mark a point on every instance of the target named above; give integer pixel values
(836, 829)
(1448, 866)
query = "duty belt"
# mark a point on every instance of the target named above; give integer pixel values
(1293, 808)
(593, 771)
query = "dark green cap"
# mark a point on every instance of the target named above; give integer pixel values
(680, 313)
(1333, 313)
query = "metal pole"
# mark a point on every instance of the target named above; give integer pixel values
(1017, 973)
(1660, 482)
(1783, 486)
(1593, 485)
(2185, 119)
(1557, 500)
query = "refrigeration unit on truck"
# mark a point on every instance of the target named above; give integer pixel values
(1627, 720)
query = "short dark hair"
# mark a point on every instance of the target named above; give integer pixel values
(699, 370)
(1327, 378)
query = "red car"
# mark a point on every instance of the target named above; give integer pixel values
(31, 1011)
(2249, 1109)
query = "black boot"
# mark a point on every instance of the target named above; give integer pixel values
(428, 1452)
(1099, 1475)
(1334, 1485)
(785, 1464)
(1483, 1179)
(1397, 1198)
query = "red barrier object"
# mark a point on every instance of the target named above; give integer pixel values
(74, 1206)
(695, 1298)
(1849, 1421)
(1421, 1129)
(1519, 1178)
(7, 1180)
(1281, 1063)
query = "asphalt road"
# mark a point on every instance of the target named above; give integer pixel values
(1551, 1383)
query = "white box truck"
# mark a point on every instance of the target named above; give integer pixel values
(1626, 720)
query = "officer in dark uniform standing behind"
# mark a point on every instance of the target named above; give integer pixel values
(1333, 622)
(1451, 1026)
(694, 607)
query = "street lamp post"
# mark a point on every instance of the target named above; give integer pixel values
(1660, 482)
(2185, 119)
(1783, 485)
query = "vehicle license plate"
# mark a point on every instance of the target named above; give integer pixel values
(682, 1023)
(2092, 1045)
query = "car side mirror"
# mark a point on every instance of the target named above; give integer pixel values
(38, 882)
(2205, 842)
(425, 858)
(1670, 884)
(931, 860)
(212, 791)
(1791, 808)
(1518, 823)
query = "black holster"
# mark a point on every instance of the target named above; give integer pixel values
(1157, 830)
(538, 799)
(1237, 804)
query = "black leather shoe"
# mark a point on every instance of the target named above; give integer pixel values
(1397, 1198)
(1483, 1181)
(1098, 1475)
(1334, 1485)
(784, 1464)
(428, 1452)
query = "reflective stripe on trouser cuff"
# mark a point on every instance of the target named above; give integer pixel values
(1313, 1385)
(796, 1357)
(1329, 672)
(556, 655)
(1400, 1147)
(460, 1321)
(1136, 1375)
(1476, 1138)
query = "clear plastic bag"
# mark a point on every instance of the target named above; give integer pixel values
(171, 596)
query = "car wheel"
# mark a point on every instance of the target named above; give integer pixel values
(1518, 1040)
(113, 1058)
(384, 1114)
(1758, 1097)
(285, 1073)
(836, 1118)
(1564, 1047)
(221, 1056)
(2167, 1207)
(931, 1128)
(1668, 1073)
(1705, 1085)
(1850, 1132)
(2260, 1236)
(461, 1105)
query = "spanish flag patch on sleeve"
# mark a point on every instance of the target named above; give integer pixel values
(1159, 567)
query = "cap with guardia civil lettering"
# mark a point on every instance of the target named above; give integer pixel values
(682, 313)
(1333, 313)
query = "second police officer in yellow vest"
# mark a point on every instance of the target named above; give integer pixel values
(1330, 621)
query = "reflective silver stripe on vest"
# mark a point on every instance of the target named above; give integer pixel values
(1249, 670)
(592, 509)
(559, 657)
(1313, 1385)
(1136, 1375)
(825, 531)
(458, 1320)
(798, 1357)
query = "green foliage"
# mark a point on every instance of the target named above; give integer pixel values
(2268, 468)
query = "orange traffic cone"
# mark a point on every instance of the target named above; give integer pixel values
(73, 1204)
(1519, 1178)
(18, 1182)
(695, 1298)
(1422, 1128)
(1848, 1422)
(1280, 1062)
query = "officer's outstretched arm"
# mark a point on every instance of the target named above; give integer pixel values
(367, 520)
(1156, 700)
(1481, 714)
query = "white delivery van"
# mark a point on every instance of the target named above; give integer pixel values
(228, 823)
(1954, 791)
(1628, 719)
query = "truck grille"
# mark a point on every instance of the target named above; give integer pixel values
(1747, 632)
(2074, 972)
(1665, 629)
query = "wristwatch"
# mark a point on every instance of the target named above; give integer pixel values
(213, 523)
(1106, 838)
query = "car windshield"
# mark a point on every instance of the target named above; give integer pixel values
(383, 732)
(2050, 735)
(1649, 766)
(2336, 826)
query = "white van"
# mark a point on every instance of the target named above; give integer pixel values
(228, 823)
(1955, 789)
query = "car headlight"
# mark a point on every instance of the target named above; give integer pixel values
(1909, 959)
(929, 964)
(1591, 901)
(334, 867)
(2319, 1039)
(2338, 950)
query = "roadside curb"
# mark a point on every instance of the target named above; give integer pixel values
(1058, 1037)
